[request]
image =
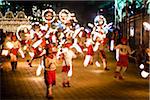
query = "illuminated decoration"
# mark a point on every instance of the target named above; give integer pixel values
(144, 74)
(141, 66)
(131, 31)
(21, 14)
(65, 16)
(22, 27)
(101, 24)
(148, 8)
(0, 2)
(36, 12)
(48, 15)
(121, 4)
(100, 21)
(10, 23)
(100, 28)
(9, 14)
(146, 26)
(139, 3)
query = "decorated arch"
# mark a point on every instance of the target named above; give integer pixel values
(10, 23)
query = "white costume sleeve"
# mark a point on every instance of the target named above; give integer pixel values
(96, 46)
(21, 53)
(37, 43)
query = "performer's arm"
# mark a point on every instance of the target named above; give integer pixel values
(129, 50)
(117, 47)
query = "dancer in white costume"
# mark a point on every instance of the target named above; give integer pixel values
(99, 35)
(67, 66)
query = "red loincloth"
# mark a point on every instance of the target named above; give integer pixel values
(14, 51)
(51, 77)
(123, 61)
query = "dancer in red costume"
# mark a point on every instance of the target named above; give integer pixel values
(14, 51)
(122, 64)
(50, 70)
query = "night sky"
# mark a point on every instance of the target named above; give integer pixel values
(85, 10)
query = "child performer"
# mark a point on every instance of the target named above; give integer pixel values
(50, 70)
(122, 64)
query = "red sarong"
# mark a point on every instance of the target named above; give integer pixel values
(123, 61)
(14, 51)
(51, 77)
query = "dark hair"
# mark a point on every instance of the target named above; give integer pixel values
(47, 51)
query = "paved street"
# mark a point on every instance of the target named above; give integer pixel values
(91, 83)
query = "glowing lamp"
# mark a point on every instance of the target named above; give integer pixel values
(132, 31)
(144, 74)
(146, 26)
(141, 66)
